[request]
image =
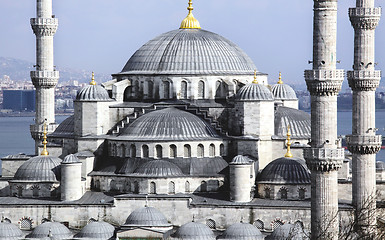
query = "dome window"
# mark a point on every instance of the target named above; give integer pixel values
(187, 187)
(183, 90)
(203, 186)
(187, 151)
(159, 150)
(132, 151)
(283, 192)
(201, 90)
(145, 152)
(211, 224)
(152, 188)
(171, 188)
(200, 151)
(173, 151)
(212, 150)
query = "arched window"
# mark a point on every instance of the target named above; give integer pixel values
(301, 193)
(211, 224)
(276, 223)
(145, 152)
(187, 187)
(152, 188)
(283, 192)
(173, 151)
(222, 150)
(113, 186)
(127, 93)
(123, 150)
(127, 187)
(203, 186)
(26, 224)
(187, 151)
(201, 90)
(19, 191)
(218, 91)
(97, 185)
(114, 150)
(200, 151)
(136, 89)
(212, 150)
(183, 90)
(166, 89)
(136, 187)
(150, 86)
(158, 150)
(132, 151)
(267, 193)
(171, 188)
(35, 191)
(259, 224)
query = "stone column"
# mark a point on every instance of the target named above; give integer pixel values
(364, 143)
(324, 158)
(45, 77)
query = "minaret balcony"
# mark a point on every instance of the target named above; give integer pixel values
(365, 12)
(364, 18)
(44, 78)
(44, 21)
(363, 80)
(324, 75)
(324, 159)
(363, 144)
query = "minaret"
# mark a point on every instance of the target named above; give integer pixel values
(324, 157)
(364, 143)
(45, 77)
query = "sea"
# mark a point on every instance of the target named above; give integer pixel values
(15, 136)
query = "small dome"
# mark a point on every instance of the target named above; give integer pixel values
(65, 128)
(194, 231)
(147, 217)
(254, 92)
(71, 159)
(169, 124)
(9, 231)
(93, 93)
(57, 230)
(40, 168)
(158, 168)
(288, 231)
(242, 231)
(240, 160)
(299, 121)
(283, 92)
(285, 171)
(97, 230)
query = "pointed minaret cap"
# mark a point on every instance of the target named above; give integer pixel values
(45, 151)
(190, 22)
(288, 153)
(280, 78)
(255, 77)
(93, 79)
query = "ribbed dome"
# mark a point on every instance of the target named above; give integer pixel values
(299, 121)
(240, 160)
(71, 159)
(57, 230)
(288, 231)
(65, 128)
(242, 231)
(194, 231)
(285, 171)
(147, 217)
(93, 93)
(168, 124)
(97, 230)
(9, 231)
(283, 92)
(158, 168)
(254, 92)
(189, 51)
(40, 168)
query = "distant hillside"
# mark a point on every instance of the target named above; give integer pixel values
(18, 70)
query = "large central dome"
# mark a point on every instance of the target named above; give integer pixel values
(190, 51)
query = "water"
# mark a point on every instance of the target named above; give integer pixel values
(16, 138)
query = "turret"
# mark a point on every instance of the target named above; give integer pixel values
(242, 178)
(71, 180)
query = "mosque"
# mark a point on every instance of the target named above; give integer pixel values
(188, 141)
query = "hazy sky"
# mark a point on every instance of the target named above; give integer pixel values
(101, 35)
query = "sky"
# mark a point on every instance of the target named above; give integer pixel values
(100, 35)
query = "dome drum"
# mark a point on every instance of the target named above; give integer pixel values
(284, 191)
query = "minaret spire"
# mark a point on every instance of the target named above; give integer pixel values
(255, 77)
(45, 151)
(364, 143)
(288, 153)
(45, 77)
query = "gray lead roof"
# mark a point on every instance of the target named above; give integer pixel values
(9, 231)
(242, 231)
(40, 168)
(147, 217)
(194, 231)
(299, 121)
(58, 231)
(190, 51)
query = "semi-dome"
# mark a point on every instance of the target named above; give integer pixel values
(242, 231)
(240, 160)
(96, 230)
(299, 121)
(71, 159)
(254, 92)
(147, 217)
(9, 231)
(54, 229)
(169, 124)
(194, 231)
(283, 91)
(189, 51)
(92, 93)
(40, 168)
(288, 231)
(65, 128)
(285, 171)
(158, 168)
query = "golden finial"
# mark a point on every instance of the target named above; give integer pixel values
(190, 21)
(44, 152)
(288, 153)
(255, 77)
(280, 78)
(93, 79)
